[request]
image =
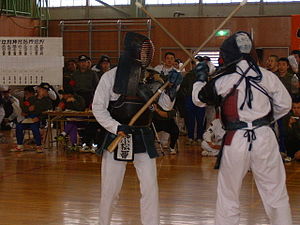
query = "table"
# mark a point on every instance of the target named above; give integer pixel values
(63, 116)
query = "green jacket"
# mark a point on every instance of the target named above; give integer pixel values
(40, 106)
(287, 81)
(85, 81)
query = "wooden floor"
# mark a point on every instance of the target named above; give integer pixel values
(60, 188)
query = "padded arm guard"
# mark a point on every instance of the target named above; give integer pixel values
(208, 94)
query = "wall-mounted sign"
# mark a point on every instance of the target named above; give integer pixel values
(31, 60)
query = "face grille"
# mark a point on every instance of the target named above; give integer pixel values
(147, 52)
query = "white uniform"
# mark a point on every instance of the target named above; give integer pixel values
(264, 159)
(112, 171)
(214, 134)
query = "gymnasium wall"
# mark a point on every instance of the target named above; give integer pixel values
(18, 26)
(271, 34)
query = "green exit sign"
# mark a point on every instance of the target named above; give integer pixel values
(222, 33)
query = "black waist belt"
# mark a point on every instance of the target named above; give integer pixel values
(266, 120)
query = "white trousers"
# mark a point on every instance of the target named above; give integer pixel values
(268, 171)
(112, 174)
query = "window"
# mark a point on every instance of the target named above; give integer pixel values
(226, 1)
(213, 55)
(160, 2)
(110, 2)
(281, 1)
(237, 1)
(63, 3)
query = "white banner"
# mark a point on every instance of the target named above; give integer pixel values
(31, 60)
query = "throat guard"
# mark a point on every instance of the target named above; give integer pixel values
(126, 107)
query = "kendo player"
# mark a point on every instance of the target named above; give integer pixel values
(251, 98)
(119, 95)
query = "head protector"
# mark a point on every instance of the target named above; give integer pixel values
(237, 47)
(137, 55)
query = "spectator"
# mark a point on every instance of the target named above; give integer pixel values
(32, 109)
(286, 78)
(293, 68)
(164, 121)
(9, 104)
(292, 141)
(70, 67)
(296, 54)
(192, 112)
(70, 101)
(102, 66)
(53, 95)
(272, 63)
(29, 92)
(177, 64)
(164, 115)
(84, 80)
(212, 138)
(167, 66)
(283, 74)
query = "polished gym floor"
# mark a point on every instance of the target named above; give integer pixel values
(62, 188)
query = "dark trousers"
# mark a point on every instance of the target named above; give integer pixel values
(88, 97)
(292, 145)
(194, 115)
(92, 133)
(170, 127)
(34, 127)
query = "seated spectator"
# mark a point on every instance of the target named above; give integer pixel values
(29, 92)
(53, 95)
(32, 109)
(70, 101)
(9, 102)
(292, 141)
(212, 138)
